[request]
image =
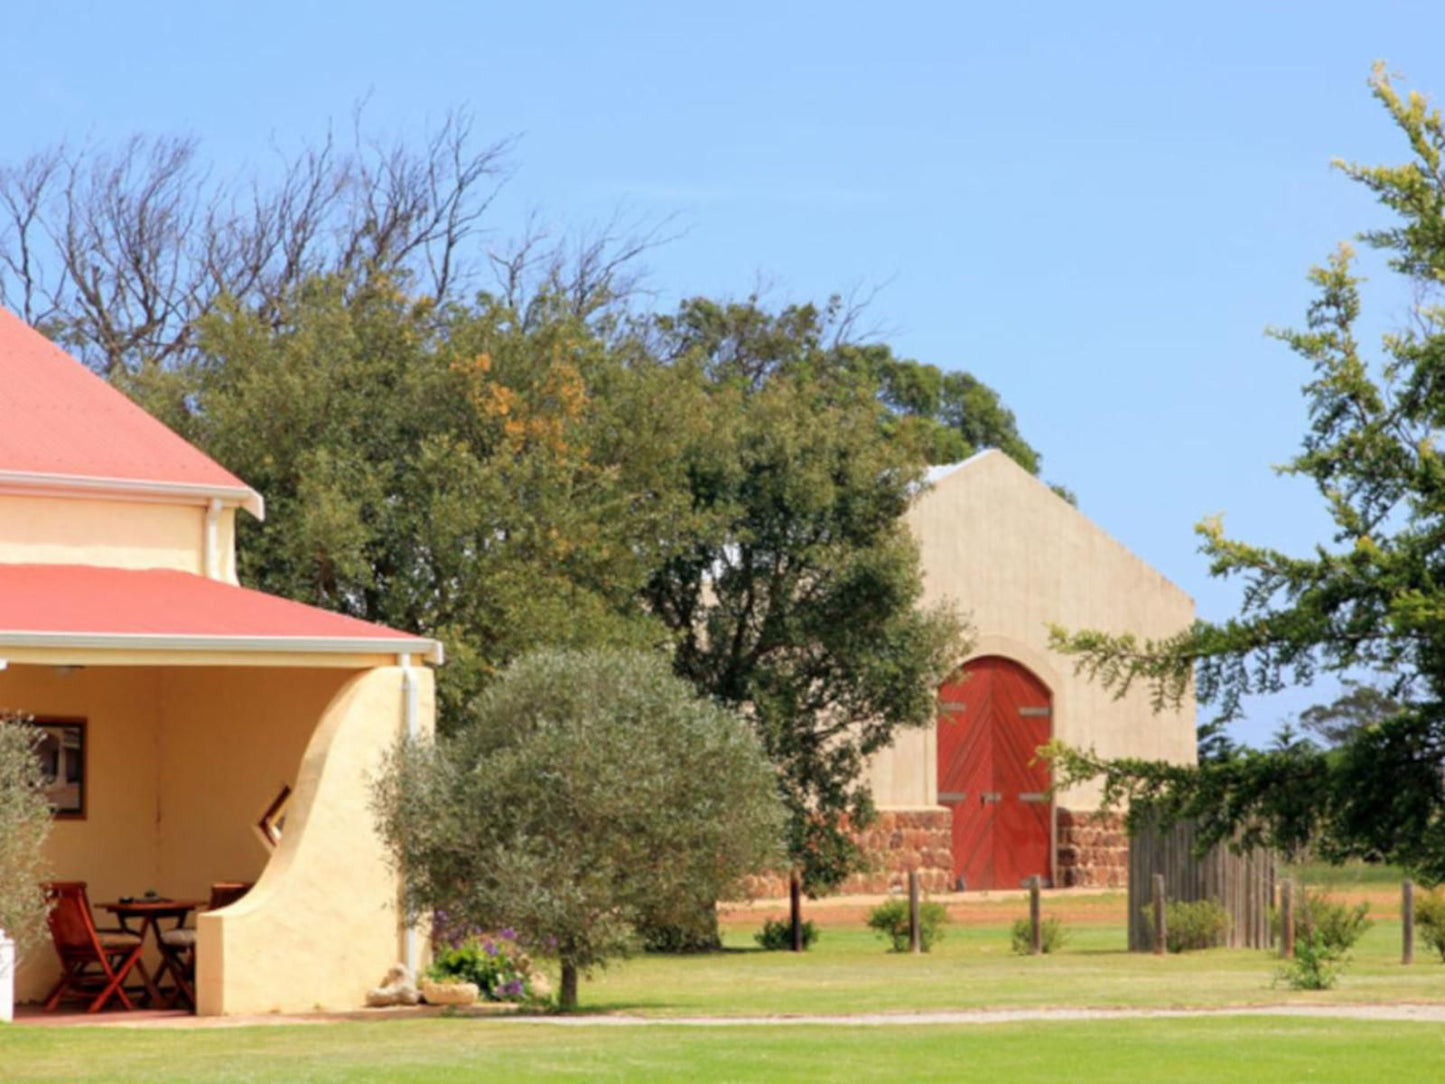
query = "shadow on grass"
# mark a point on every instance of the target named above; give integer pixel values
(703, 954)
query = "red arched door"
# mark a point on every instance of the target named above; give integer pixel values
(990, 722)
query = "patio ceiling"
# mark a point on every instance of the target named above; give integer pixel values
(147, 612)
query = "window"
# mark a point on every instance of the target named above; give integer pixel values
(62, 757)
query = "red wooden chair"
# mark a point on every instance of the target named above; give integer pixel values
(178, 946)
(93, 963)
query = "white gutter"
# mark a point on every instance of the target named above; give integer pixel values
(412, 724)
(212, 545)
(430, 650)
(27, 483)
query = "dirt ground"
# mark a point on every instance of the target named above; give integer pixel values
(1077, 907)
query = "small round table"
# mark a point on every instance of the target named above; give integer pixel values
(149, 911)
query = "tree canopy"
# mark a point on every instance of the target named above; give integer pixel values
(1367, 599)
(796, 599)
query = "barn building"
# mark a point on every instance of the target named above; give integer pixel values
(965, 802)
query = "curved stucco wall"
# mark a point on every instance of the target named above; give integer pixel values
(1014, 558)
(321, 926)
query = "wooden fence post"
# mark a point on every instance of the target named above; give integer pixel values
(795, 904)
(1407, 921)
(1160, 933)
(1036, 916)
(915, 932)
(1286, 918)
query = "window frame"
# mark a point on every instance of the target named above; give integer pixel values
(82, 724)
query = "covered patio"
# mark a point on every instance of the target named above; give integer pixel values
(214, 734)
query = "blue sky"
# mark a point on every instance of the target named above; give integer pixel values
(1095, 208)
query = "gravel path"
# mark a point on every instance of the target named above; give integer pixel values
(1421, 1013)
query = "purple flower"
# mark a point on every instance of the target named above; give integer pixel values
(509, 934)
(489, 947)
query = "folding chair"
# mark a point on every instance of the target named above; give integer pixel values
(93, 963)
(178, 946)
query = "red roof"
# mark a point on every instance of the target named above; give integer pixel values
(58, 418)
(84, 606)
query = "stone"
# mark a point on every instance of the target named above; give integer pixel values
(449, 993)
(396, 989)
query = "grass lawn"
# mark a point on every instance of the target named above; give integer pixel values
(1215, 1049)
(848, 971)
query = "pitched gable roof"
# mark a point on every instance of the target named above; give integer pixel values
(82, 607)
(62, 428)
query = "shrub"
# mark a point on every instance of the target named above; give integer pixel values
(1338, 925)
(1051, 935)
(777, 935)
(1190, 924)
(681, 935)
(497, 964)
(890, 920)
(24, 826)
(589, 792)
(1316, 964)
(1430, 921)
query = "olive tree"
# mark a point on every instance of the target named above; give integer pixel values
(588, 793)
(24, 824)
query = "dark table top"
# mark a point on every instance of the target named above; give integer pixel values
(153, 906)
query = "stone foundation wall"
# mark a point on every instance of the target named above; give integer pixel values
(1093, 850)
(899, 841)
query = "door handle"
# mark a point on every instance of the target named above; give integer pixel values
(989, 796)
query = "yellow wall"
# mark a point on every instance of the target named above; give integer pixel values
(322, 925)
(182, 762)
(229, 740)
(114, 848)
(111, 534)
(1014, 558)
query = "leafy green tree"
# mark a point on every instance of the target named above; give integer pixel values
(587, 793)
(943, 417)
(25, 819)
(1358, 707)
(1370, 599)
(796, 599)
(497, 480)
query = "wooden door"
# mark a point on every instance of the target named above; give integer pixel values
(990, 722)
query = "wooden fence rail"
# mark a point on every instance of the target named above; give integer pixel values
(1242, 883)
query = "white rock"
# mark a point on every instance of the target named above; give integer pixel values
(396, 989)
(449, 993)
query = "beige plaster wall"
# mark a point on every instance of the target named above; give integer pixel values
(182, 762)
(322, 925)
(112, 534)
(229, 739)
(1015, 557)
(114, 849)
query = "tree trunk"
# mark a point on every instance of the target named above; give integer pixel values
(567, 998)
